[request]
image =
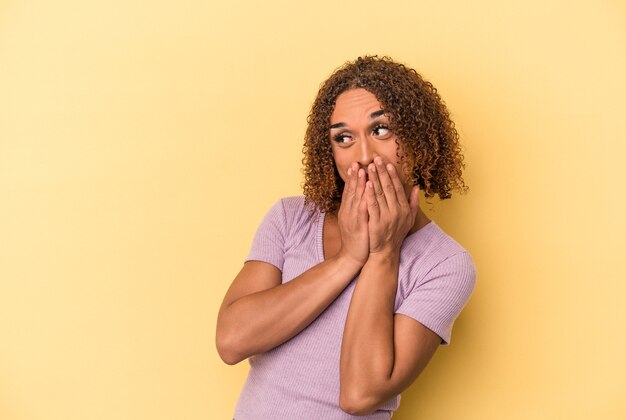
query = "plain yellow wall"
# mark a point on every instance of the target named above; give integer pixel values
(142, 142)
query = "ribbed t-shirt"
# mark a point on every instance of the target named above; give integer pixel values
(299, 379)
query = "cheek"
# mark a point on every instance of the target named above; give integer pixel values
(342, 174)
(400, 170)
(341, 163)
(401, 175)
(406, 179)
(396, 158)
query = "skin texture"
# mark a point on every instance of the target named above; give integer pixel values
(394, 348)
(381, 353)
(362, 137)
(377, 134)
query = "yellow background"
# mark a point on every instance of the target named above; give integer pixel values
(142, 142)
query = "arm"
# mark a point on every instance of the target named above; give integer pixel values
(382, 354)
(393, 348)
(259, 313)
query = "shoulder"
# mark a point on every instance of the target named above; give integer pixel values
(296, 212)
(431, 241)
(437, 277)
(432, 248)
(293, 204)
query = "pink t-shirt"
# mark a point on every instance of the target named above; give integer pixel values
(299, 379)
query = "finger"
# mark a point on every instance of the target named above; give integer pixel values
(360, 186)
(379, 194)
(349, 188)
(373, 209)
(344, 193)
(362, 216)
(387, 184)
(397, 185)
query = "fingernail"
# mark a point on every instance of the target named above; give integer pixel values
(349, 171)
(389, 167)
(372, 167)
(378, 161)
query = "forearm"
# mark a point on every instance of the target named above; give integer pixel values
(367, 353)
(261, 321)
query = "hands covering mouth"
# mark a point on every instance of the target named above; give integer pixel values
(375, 209)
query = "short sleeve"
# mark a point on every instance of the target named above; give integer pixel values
(437, 301)
(269, 241)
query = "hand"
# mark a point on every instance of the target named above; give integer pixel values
(391, 215)
(352, 217)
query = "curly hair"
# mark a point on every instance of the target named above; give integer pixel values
(431, 153)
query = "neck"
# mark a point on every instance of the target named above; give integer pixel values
(421, 220)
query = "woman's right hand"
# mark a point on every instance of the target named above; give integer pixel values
(288, 308)
(352, 218)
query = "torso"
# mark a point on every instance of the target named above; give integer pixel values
(302, 374)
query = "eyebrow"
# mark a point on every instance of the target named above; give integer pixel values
(372, 116)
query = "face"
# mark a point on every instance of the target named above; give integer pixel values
(359, 131)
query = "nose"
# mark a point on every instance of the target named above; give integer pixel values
(366, 153)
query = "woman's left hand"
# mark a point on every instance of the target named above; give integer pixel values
(391, 215)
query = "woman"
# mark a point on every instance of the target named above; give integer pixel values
(348, 291)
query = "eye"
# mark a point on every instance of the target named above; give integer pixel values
(381, 130)
(342, 138)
